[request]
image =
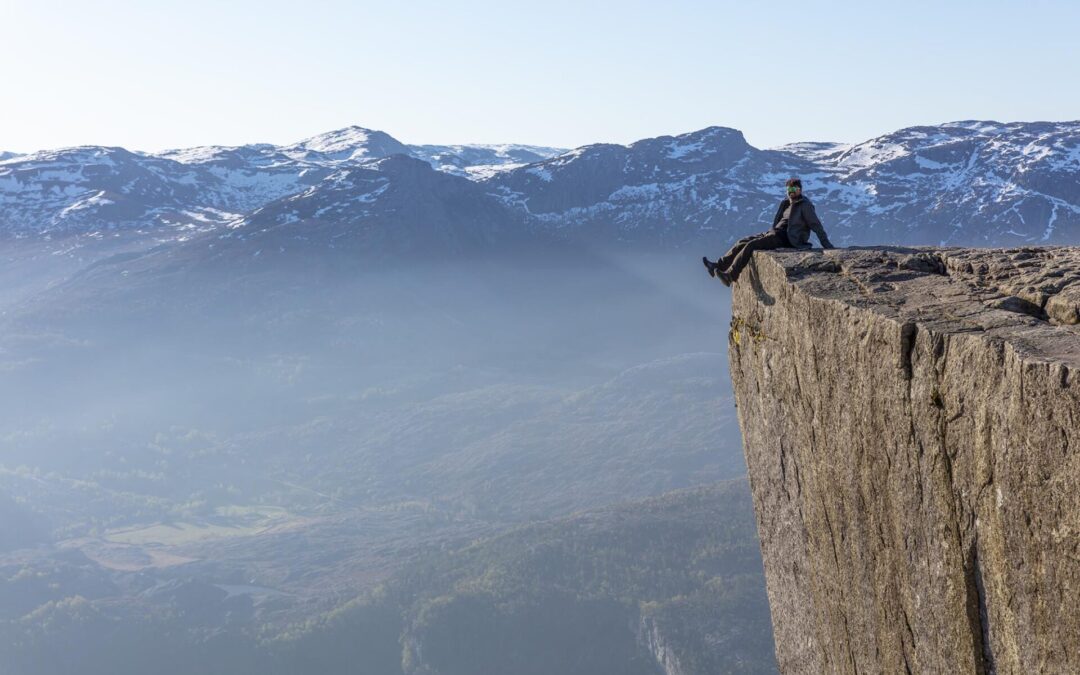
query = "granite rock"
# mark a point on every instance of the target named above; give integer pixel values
(911, 424)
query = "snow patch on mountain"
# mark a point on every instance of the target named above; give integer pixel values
(480, 162)
(97, 199)
(818, 151)
(482, 172)
(678, 150)
(541, 172)
(352, 140)
(961, 182)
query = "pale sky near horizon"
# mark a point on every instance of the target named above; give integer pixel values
(150, 75)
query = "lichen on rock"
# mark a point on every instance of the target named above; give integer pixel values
(911, 428)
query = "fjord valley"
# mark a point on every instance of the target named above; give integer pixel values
(350, 404)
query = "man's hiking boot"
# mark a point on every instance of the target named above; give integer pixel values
(724, 277)
(710, 266)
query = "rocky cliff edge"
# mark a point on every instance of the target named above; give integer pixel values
(911, 424)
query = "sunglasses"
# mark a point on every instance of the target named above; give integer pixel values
(793, 189)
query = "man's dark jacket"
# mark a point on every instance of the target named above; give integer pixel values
(797, 220)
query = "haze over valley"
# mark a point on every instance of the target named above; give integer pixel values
(354, 405)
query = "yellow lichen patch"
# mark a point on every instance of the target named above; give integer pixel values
(740, 325)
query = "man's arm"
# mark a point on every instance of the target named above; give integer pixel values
(815, 225)
(779, 212)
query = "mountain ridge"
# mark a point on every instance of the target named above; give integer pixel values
(958, 183)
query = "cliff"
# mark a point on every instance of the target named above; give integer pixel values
(911, 424)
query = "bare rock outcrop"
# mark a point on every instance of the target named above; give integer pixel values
(911, 424)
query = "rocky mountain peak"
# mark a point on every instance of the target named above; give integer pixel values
(349, 144)
(961, 183)
(696, 146)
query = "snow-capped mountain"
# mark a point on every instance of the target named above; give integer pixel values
(92, 189)
(481, 161)
(396, 204)
(345, 146)
(972, 183)
(963, 183)
(667, 190)
(815, 151)
(248, 176)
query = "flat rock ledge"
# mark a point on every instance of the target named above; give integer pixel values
(911, 424)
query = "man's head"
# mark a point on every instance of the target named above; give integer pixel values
(794, 188)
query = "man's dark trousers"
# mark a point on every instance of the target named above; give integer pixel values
(740, 254)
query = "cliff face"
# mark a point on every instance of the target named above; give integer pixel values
(911, 424)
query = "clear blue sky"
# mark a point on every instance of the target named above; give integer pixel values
(150, 74)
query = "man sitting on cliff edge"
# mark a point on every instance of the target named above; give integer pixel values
(794, 220)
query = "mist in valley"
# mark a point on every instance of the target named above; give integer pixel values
(222, 451)
(282, 393)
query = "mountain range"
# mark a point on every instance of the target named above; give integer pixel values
(960, 183)
(315, 398)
